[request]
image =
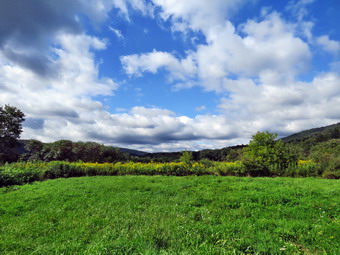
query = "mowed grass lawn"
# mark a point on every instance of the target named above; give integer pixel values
(171, 215)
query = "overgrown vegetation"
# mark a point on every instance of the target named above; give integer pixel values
(265, 156)
(26, 172)
(171, 215)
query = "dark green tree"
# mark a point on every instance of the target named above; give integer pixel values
(34, 150)
(59, 150)
(11, 119)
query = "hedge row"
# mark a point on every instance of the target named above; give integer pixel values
(26, 172)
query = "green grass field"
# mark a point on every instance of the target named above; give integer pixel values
(171, 215)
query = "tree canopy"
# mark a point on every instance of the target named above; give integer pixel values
(11, 119)
(265, 152)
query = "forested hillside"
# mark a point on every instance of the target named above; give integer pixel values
(315, 135)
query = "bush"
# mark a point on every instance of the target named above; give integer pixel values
(229, 168)
(19, 173)
(329, 174)
(304, 168)
(265, 156)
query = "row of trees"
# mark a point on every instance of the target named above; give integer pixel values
(65, 150)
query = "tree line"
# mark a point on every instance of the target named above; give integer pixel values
(65, 150)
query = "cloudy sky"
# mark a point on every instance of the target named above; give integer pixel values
(168, 75)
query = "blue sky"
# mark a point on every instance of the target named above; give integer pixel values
(163, 75)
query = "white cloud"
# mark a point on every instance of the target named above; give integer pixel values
(151, 62)
(124, 6)
(117, 32)
(329, 45)
(197, 14)
(284, 109)
(67, 94)
(267, 46)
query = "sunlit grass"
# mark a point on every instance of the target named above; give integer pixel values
(171, 215)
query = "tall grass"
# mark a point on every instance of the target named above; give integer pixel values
(25, 172)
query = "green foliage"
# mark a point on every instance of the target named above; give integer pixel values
(304, 168)
(171, 215)
(34, 150)
(65, 150)
(230, 169)
(263, 152)
(234, 155)
(206, 162)
(11, 119)
(304, 141)
(186, 158)
(327, 154)
(21, 173)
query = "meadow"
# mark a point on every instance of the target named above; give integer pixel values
(171, 215)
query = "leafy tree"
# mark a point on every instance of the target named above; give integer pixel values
(34, 150)
(59, 150)
(11, 119)
(265, 155)
(186, 157)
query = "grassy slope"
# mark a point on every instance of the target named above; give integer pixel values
(187, 215)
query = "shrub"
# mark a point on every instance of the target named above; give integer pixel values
(19, 173)
(229, 168)
(265, 154)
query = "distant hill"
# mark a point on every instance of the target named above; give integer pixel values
(133, 152)
(320, 134)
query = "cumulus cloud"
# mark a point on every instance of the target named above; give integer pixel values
(153, 61)
(265, 46)
(150, 129)
(66, 96)
(329, 45)
(28, 28)
(284, 109)
(197, 15)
